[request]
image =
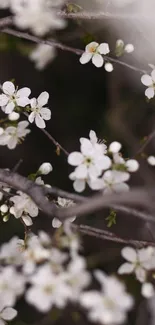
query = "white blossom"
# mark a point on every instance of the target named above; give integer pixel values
(13, 135)
(56, 223)
(138, 262)
(48, 289)
(42, 55)
(108, 67)
(94, 51)
(149, 81)
(6, 314)
(12, 97)
(114, 181)
(89, 163)
(36, 15)
(110, 305)
(40, 113)
(12, 285)
(23, 207)
(11, 252)
(77, 276)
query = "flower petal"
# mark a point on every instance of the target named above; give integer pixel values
(43, 98)
(85, 57)
(3, 100)
(91, 47)
(146, 80)
(81, 172)
(132, 165)
(31, 117)
(40, 122)
(8, 88)
(9, 108)
(24, 92)
(27, 220)
(103, 48)
(79, 185)
(97, 60)
(75, 158)
(129, 254)
(56, 223)
(140, 274)
(153, 75)
(126, 268)
(22, 101)
(45, 113)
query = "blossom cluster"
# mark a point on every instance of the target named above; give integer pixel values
(14, 101)
(142, 263)
(100, 167)
(56, 278)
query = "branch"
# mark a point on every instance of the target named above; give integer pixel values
(106, 235)
(6, 21)
(145, 144)
(49, 136)
(61, 46)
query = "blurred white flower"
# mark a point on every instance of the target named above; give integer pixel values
(42, 55)
(56, 223)
(12, 285)
(23, 208)
(13, 135)
(12, 97)
(39, 113)
(108, 67)
(94, 51)
(138, 261)
(149, 81)
(114, 181)
(48, 289)
(11, 252)
(110, 305)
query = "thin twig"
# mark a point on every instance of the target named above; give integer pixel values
(105, 235)
(145, 144)
(61, 46)
(50, 137)
(16, 167)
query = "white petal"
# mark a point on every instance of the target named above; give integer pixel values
(22, 101)
(104, 162)
(126, 268)
(140, 274)
(91, 47)
(81, 171)
(33, 102)
(8, 88)
(9, 313)
(40, 122)
(93, 137)
(122, 187)
(3, 100)
(132, 165)
(45, 113)
(79, 185)
(31, 117)
(97, 60)
(9, 108)
(153, 75)
(85, 57)
(86, 147)
(146, 80)
(13, 116)
(103, 48)
(56, 223)
(27, 220)
(43, 98)
(129, 254)
(12, 143)
(147, 290)
(24, 92)
(95, 184)
(75, 158)
(115, 147)
(149, 92)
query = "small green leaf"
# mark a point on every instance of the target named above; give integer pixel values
(111, 219)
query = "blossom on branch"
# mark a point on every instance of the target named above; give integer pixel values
(40, 113)
(12, 97)
(149, 81)
(94, 51)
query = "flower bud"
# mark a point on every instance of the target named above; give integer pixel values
(129, 48)
(45, 168)
(115, 147)
(4, 208)
(13, 116)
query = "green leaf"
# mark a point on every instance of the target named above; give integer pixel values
(111, 219)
